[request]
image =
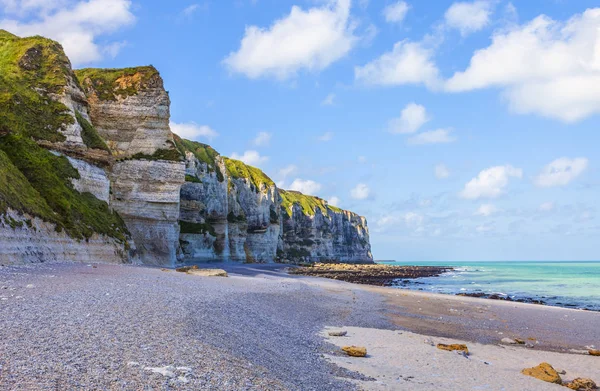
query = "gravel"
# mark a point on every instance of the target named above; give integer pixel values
(113, 327)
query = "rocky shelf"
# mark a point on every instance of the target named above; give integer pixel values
(380, 275)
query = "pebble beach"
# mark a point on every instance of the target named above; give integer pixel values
(113, 327)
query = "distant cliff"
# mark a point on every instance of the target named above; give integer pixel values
(89, 170)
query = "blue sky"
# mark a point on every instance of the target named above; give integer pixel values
(461, 130)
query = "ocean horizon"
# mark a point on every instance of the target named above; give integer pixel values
(570, 284)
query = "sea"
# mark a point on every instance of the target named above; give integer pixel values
(563, 284)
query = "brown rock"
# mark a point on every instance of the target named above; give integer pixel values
(581, 384)
(207, 272)
(519, 341)
(355, 351)
(186, 269)
(544, 372)
(459, 347)
(594, 352)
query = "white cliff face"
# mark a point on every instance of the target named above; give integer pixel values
(146, 195)
(24, 239)
(244, 222)
(93, 179)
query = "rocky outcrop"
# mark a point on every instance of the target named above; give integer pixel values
(27, 239)
(130, 110)
(89, 157)
(231, 211)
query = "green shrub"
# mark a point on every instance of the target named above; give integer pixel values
(89, 134)
(197, 228)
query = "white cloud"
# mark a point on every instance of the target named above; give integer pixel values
(486, 210)
(190, 10)
(413, 219)
(287, 171)
(252, 158)
(408, 63)
(329, 100)
(360, 192)
(468, 17)
(193, 131)
(439, 136)
(561, 172)
(305, 186)
(76, 25)
(441, 171)
(362, 159)
(335, 201)
(544, 67)
(546, 206)
(411, 119)
(490, 183)
(262, 139)
(395, 12)
(327, 136)
(311, 40)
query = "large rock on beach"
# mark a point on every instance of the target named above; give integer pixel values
(594, 352)
(544, 372)
(355, 351)
(581, 384)
(454, 347)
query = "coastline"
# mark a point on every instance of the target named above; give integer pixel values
(259, 329)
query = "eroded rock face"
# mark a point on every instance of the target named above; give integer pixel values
(146, 195)
(230, 211)
(25, 239)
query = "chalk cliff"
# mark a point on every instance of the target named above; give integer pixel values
(89, 170)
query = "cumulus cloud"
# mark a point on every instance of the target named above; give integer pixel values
(411, 119)
(491, 182)
(335, 201)
(360, 192)
(544, 67)
(77, 25)
(193, 131)
(287, 171)
(441, 171)
(407, 63)
(396, 12)
(309, 39)
(546, 206)
(468, 17)
(252, 158)
(262, 139)
(486, 210)
(439, 136)
(307, 186)
(561, 172)
(325, 137)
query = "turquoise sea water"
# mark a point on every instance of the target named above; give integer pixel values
(565, 284)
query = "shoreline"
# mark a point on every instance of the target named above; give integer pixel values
(406, 277)
(260, 328)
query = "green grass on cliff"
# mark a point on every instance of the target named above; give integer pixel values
(44, 189)
(204, 153)
(197, 228)
(111, 84)
(309, 204)
(32, 179)
(30, 69)
(90, 136)
(238, 169)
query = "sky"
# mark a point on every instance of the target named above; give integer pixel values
(461, 130)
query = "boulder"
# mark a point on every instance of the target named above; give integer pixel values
(453, 347)
(355, 351)
(508, 341)
(338, 333)
(594, 352)
(207, 272)
(581, 384)
(544, 372)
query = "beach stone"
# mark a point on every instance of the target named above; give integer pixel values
(207, 272)
(453, 347)
(338, 333)
(509, 341)
(594, 352)
(544, 372)
(355, 351)
(186, 269)
(519, 341)
(581, 384)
